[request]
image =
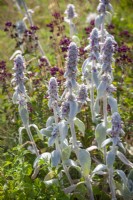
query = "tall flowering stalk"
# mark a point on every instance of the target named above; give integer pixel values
(20, 96)
(89, 68)
(74, 99)
(70, 15)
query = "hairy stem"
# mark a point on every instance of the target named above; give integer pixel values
(92, 93)
(89, 186)
(111, 184)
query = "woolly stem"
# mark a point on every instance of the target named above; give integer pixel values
(59, 149)
(111, 184)
(92, 93)
(105, 109)
(89, 186)
(32, 140)
(72, 128)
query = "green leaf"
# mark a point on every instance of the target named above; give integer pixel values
(85, 161)
(80, 125)
(100, 134)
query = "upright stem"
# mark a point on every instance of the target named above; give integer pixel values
(92, 93)
(32, 140)
(111, 184)
(105, 109)
(59, 149)
(72, 128)
(89, 186)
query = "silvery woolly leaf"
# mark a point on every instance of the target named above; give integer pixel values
(108, 17)
(97, 106)
(85, 63)
(95, 78)
(73, 109)
(110, 158)
(63, 129)
(122, 146)
(91, 148)
(24, 115)
(101, 89)
(47, 131)
(113, 104)
(85, 161)
(70, 162)
(122, 157)
(50, 121)
(51, 140)
(69, 189)
(46, 156)
(99, 21)
(100, 134)
(55, 157)
(15, 97)
(98, 168)
(122, 175)
(105, 142)
(20, 134)
(52, 181)
(130, 175)
(80, 125)
(66, 152)
(37, 130)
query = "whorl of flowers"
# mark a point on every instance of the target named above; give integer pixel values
(116, 129)
(19, 79)
(107, 55)
(104, 5)
(101, 8)
(52, 91)
(82, 94)
(70, 12)
(65, 109)
(94, 44)
(71, 63)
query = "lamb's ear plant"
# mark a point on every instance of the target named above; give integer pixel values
(20, 96)
(70, 15)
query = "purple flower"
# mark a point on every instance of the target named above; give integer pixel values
(52, 91)
(65, 109)
(70, 12)
(82, 94)
(71, 63)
